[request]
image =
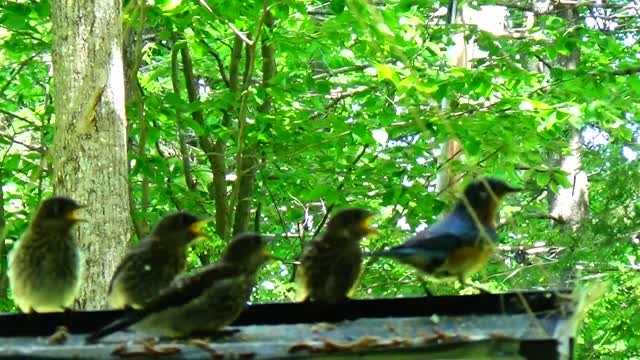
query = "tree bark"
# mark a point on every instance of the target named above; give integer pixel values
(249, 163)
(89, 148)
(571, 204)
(132, 57)
(4, 280)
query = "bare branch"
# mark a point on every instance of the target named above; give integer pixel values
(340, 187)
(336, 98)
(17, 71)
(343, 70)
(184, 150)
(219, 61)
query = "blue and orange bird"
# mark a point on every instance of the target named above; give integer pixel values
(462, 243)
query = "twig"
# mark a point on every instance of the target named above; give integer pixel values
(219, 62)
(17, 71)
(339, 188)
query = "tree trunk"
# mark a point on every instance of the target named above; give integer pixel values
(4, 280)
(131, 55)
(89, 149)
(571, 204)
(248, 165)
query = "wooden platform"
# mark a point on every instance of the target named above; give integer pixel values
(524, 325)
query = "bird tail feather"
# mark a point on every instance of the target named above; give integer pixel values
(116, 325)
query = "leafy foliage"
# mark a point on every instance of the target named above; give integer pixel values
(356, 119)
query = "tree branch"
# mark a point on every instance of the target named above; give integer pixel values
(335, 99)
(343, 70)
(219, 62)
(340, 187)
(250, 55)
(17, 71)
(184, 150)
(249, 165)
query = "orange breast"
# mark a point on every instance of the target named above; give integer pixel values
(468, 260)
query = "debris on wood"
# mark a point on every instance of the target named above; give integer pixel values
(322, 326)
(364, 343)
(149, 350)
(59, 337)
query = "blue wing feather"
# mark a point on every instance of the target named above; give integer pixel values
(436, 243)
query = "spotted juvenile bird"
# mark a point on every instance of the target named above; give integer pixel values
(205, 301)
(152, 264)
(330, 264)
(462, 243)
(44, 265)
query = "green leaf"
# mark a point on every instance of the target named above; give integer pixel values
(561, 177)
(15, 16)
(337, 6)
(170, 5)
(542, 178)
(384, 72)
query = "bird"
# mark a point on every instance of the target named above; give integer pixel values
(205, 301)
(330, 264)
(462, 243)
(45, 263)
(154, 262)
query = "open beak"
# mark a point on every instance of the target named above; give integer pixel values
(75, 215)
(196, 227)
(366, 226)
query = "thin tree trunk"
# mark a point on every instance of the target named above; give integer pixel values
(89, 148)
(132, 54)
(571, 204)
(457, 56)
(4, 280)
(247, 168)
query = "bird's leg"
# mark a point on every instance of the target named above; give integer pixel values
(204, 345)
(423, 283)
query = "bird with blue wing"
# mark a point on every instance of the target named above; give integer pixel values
(462, 243)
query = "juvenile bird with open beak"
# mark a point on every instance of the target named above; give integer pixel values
(152, 264)
(205, 301)
(330, 264)
(462, 243)
(44, 264)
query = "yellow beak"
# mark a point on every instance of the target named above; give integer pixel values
(196, 227)
(366, 226)
(74, 215)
